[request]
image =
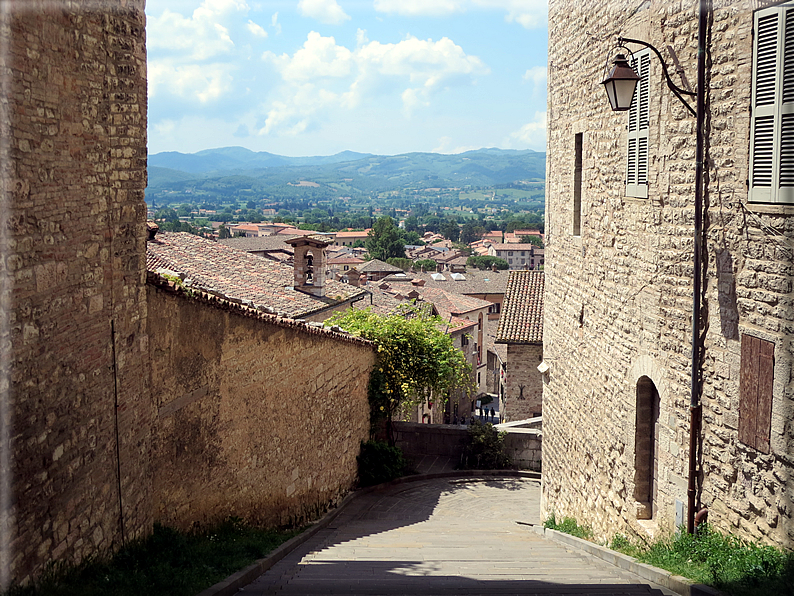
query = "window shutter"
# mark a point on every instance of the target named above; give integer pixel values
(639, 124)
(755, 392)
(748, 386)
(772, 129)
(766, 377)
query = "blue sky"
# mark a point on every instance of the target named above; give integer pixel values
(316, 77)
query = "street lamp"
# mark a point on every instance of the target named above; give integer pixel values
(699, 113)
(620, 84)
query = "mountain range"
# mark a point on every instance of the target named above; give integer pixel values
(236, 167)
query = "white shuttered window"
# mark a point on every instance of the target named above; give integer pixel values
(637, 160)
(772, 124)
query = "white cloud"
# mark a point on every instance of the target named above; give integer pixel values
(319, 57)
(445, 145)
(325, 11)
(201, 36)
(275, 24)
(530, 14)
(420, 7)
(532, 135)
(255, 29)
(201, 82)
(536, 74)
(323, 75)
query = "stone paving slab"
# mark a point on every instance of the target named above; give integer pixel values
(445, 536)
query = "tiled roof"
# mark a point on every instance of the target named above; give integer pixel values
(240, 276)
(380, 302)
(351, 234)
(292, 232)
(518, 246)
(345, 260)
(449, 303)
(476, 282)
(376, 265)
(258, 244)
(521, 321)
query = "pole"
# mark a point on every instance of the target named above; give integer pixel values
(694, 405)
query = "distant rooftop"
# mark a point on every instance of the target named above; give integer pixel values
(521, 321)
(240, 276)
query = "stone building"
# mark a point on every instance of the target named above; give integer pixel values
(519, 256)
(126, 399)
(521, 331)
(619, 274)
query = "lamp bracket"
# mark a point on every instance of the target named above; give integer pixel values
(677, 91)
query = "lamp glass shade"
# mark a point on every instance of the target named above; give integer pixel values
(620, 84)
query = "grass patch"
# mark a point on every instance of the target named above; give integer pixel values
(569, 526)
(734, 566)
(166, 563)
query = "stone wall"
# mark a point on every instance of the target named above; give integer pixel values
(523, 383)
(449, 441)
(257, 417)
(619, 296)
(75, 396)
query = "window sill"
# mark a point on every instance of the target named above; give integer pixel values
(770, 208)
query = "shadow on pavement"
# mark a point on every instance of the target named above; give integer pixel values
(413, 578)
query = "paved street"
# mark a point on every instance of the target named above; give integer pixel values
(444, 536)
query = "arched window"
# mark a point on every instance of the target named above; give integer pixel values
(646, 441)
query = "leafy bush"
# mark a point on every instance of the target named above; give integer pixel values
(486, 262)
(569, 526)
(428, 264)
(729, 563)
(735, 566)
(485, 449)
(402, 263)
(379, 462)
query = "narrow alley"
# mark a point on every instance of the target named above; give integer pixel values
(444, 536)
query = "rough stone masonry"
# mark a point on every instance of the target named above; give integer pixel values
(618, 299)
(102, 438)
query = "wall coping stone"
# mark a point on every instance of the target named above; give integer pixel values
(221, 303)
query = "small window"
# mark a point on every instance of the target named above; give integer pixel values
(755, 392)
(510, 254)
(510, 261)
(577, 185)
(522, 254)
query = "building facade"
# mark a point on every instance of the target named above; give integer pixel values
(519, 256)
(619, 287)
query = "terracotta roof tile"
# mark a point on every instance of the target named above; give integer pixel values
(376, 265)
(240, 276)
(521, 321)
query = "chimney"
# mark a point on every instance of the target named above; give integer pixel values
(152, 229)
(353, 277)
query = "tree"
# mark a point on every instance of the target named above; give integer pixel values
(223, 232)
(471, 232)
(416, 360)
(487, 262)
(166, 215)
(450, 230)
(384, 240)
(404, 264)
(428, 264)
(535, 240)
(412, 224)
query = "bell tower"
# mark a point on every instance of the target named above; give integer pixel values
(311, 262)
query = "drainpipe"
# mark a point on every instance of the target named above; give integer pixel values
(694, 405)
